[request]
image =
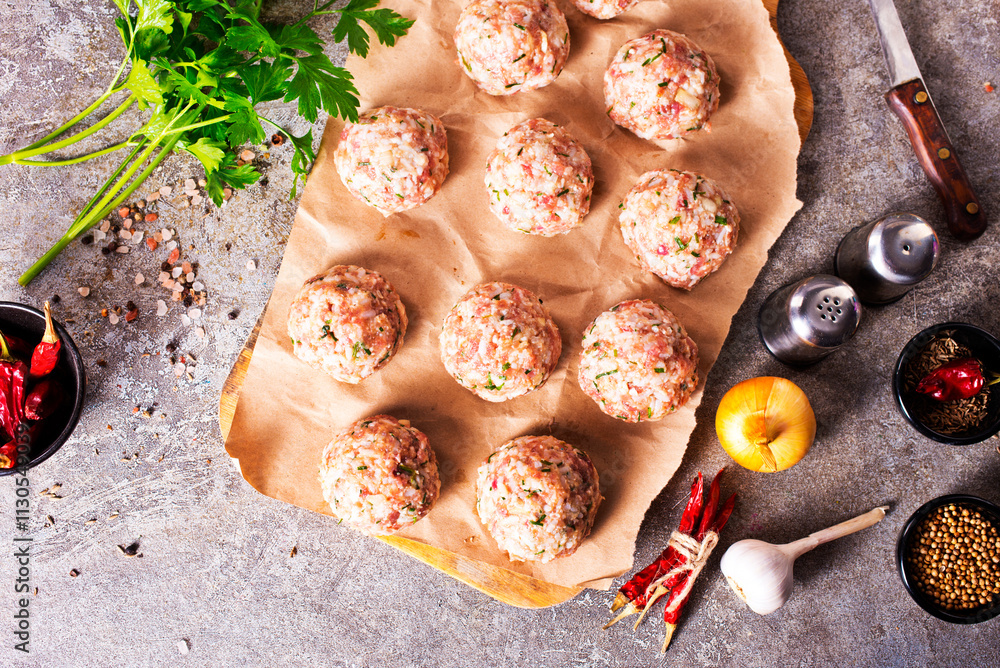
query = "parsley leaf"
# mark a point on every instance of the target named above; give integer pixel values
(153, 14)
(209, 153)
(387, 25)
(243, 125)
(317, 84)
(265, 81)
(146, 89)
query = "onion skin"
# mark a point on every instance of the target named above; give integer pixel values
(765, 423)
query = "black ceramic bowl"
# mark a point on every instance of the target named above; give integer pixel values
(985, 348)
(28, 324)
(989, 510)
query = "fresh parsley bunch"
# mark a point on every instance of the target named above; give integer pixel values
(200, 68)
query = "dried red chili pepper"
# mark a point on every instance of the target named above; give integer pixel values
(46, 353)
(675, 604)
(13, 375)
(678, 566)
(958, 379)
(634, 592)
(43, 399)
(8, 455)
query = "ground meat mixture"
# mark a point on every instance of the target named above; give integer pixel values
(638, 363)
(393, 159)
(380, 475)
(500, 342)
(539, 179)
(507, 46)
(604, 9)
(661, 86)
(348, 322)
(681, 226)
(538, 496)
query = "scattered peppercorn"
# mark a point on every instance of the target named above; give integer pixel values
(277, 139)
(87, 239)
(232, 315)
(955, 558)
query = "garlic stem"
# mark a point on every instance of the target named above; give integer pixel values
(798, 548)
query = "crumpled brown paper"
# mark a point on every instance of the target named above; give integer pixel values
(433, 254)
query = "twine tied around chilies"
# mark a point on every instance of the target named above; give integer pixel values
(695, 557)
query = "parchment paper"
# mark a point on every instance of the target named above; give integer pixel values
(433, 254)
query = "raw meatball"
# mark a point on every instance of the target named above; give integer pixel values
(681, 226)
(661, 86)
(506, 46)
(379, 475)
(538, 497)
(638, 363)
(348, 322)
(394, 159)
(539, 179)
(604, 9)
(499, 341)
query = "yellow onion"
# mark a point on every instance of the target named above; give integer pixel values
(765, 423)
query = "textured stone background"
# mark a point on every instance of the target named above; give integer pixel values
(216, 571)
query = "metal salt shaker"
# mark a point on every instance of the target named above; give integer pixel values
(884, 259)
(805, 321)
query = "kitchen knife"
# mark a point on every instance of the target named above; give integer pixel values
(909, 100)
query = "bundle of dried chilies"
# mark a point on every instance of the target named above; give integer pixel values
(27, 394)
(673, 573)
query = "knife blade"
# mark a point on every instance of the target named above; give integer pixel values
(909, 100)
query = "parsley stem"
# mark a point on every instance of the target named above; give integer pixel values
(68, 124)
(71, 161)
(107, 184)
(107, 204)
(202, 124)
(72, 139)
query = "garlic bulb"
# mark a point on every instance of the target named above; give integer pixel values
(761, 573)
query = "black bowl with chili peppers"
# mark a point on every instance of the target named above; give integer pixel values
(948, 557)
(42, 386)
(941, 383)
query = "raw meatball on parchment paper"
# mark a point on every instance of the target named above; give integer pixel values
(638, 363)
(348, 322)
(539, 179)
(379, 475)
(499, 342)
(680, 225)
(393, 159)
(604, 9)
(507, 46)
(661, 86)
(538, 498)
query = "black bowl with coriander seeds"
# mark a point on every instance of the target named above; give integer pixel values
(961, 422)
(28, 325)
(952, 579)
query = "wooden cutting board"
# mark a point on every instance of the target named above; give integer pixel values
(506, 586)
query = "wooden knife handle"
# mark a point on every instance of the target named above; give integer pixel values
(911, 103)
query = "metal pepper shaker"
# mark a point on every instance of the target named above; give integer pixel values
(884, 259)
(805, 321)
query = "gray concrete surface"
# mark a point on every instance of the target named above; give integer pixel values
(216, 572)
